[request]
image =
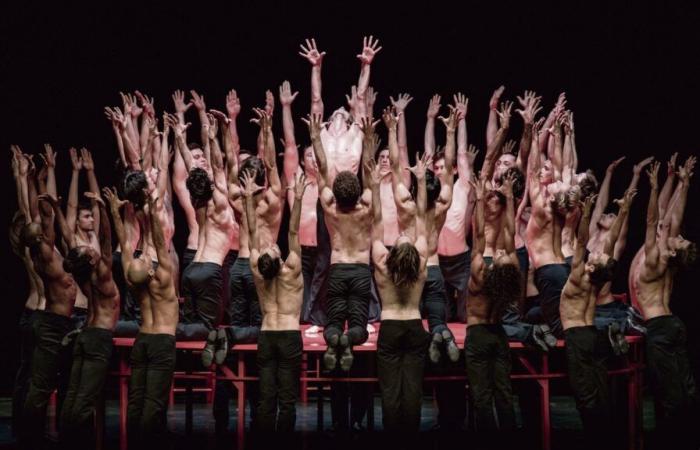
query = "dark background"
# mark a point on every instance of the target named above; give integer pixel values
(630, 76)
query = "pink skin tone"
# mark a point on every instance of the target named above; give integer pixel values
(86, 221)
(384, 162)
(310, 168)
(545, 174)
(198, 159)
(606, 221)
(503, 163)
(338, 123)
(273, 251)
(439, 168)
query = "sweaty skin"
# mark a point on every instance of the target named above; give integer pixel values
(281, 297)
(399, 302)
(155, 289)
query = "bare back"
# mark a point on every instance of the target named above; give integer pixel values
(280, 298)
(349, 233)
(60, 288)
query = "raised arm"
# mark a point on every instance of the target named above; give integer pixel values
(433, 110)
(685, 172)
(421, 193)
(104, 231)
(112, 116)
(531, 106)
(314, 124)
(49, 157)
(72, 204)
(93, 186)
(66, 230)
(370, 145)
(291, 152)
(506, 189)
(377, 225)
(667, 189)
(652, 212)
(603, 195)
(179, 132)
(577, 266)
(164, 261)
(370, 48)
(494, 148)
(315, 58)
(127, 250)
(450, 145)
(464, 167)
(479, 241)
(400, 105)
(492, 125)
(269, 156)
(616, 228)
(249, 188)
(295, 217)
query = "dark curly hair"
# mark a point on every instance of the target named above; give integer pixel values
(685, 257)
(77, 263)
(602, 273)
(255, 166)
(134, 184)
(403, 264)
(199, 185)
(346, 189)
(432, 187)
(588, 185)
(502, 287)
(269, 267)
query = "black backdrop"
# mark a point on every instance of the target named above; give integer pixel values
(629, 75)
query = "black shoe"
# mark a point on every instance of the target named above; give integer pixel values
(221, 349)
(209, 347)
(346, 356)
(357, 427)
(619, 344)
(330, 357)
(434, 352)
(536, 339)
(548, 337)
(450, 346)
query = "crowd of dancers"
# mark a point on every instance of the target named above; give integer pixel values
(523, 247)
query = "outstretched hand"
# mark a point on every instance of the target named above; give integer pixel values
(300, 185)
(94, 196)
(401, 102)
(111, 195)
(422, 164)
(286, 96)
(370, 48)
(434, 106)
(75, 159)
(311, 53)
(653, 174)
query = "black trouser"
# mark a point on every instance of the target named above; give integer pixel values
(550, 280)
(186, 260)
(433, 303)
(455, 270)
(672, 379)
(230, 259)
(279, 366)
(152, 367)
(348, 299)
(350, 401)
(91, 354)
(401, 349)
(202, 289)
(309, 256)
(513, 326)
(589, 380)
(79, 317)
(48, 360)
(244, 308)
(487, 357)
(24, 371)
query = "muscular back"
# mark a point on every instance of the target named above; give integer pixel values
(159, 305)
(349, 232)
(280, 298)
(60, 288)
(453, 236)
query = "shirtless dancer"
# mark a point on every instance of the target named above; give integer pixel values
(453, 250)
(153, 353)
(491, 289)
(293, 166)
(551, 270)
(346, 206)
(50, 325)
(438, 203)
(584, 347)
(611, 315)
(92, 349)
(202, 281)
(665, 252)
(342, 139)
(179, 187)
(35, 299)
(400, 273)
(280, 287)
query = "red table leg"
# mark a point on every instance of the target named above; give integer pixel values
(123, 398)
(240, 427)
(546, 425)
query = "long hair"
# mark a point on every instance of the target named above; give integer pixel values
(502, 287)
(403, 264)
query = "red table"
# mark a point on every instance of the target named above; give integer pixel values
(314, 345)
